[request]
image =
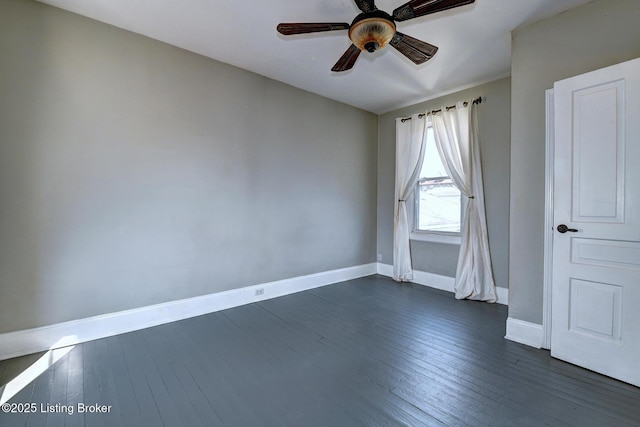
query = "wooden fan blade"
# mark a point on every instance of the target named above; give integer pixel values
(416, 50)
(366, 5)
(416, 8)
(292, 28)
(347, 60)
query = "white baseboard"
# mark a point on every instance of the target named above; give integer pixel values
(437, 281)
(30, 341)
(527, 333)
(385, 269)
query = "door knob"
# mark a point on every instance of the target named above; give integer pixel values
(563, 229)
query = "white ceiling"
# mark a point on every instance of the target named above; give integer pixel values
(474, 42)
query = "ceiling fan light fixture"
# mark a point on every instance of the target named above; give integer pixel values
(373, 29)
(372, 33)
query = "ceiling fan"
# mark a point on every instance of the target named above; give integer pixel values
(373, 29)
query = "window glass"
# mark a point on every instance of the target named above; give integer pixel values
(437, 198)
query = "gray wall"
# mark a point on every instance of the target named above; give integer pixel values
(134, 173)
(494, 127)
(593, 36)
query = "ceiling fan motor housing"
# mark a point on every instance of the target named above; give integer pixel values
(372, 31)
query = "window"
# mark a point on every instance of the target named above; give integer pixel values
(438, 208)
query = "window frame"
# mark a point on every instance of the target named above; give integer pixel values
(447, 237)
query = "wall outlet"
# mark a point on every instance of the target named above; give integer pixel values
(379, 257)
(259, 292)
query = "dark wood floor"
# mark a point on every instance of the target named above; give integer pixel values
(364, 352)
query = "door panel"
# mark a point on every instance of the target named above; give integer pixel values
(607, 253)
(603, 323)
(596, 262)
(598, 153)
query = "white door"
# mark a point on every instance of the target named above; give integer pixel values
(596, 243)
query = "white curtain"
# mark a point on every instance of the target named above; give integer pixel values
(456, 137)
(410, 143)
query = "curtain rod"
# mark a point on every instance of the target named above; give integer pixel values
(478, 100)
